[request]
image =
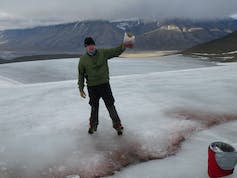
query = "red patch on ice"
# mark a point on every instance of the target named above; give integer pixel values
(207, 119)
(132, 151)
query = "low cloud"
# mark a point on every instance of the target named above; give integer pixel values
(34, 12)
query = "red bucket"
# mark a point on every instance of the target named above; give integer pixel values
(222, 159)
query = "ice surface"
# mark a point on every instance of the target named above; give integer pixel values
(7, 82)
(43, 126)
(66, 69)
(190, 161)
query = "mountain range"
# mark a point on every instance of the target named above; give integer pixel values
(170, 34)
(223, 49)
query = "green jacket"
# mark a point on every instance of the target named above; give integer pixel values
(95, 68)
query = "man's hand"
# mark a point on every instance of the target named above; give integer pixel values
(129, 40)
(82, 93)
(128, 45)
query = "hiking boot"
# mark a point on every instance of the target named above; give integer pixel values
(92, 129)
(120, 132)
(118, 128)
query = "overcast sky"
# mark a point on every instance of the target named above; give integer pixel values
(25, 13)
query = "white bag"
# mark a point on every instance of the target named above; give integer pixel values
(128, 40)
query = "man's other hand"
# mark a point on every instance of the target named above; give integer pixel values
(82, 93)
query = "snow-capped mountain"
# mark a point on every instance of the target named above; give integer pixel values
(150, 35)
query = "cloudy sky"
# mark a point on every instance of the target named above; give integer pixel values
(26, 13)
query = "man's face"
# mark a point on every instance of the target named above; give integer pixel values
(90, 48)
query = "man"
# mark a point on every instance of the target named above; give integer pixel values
(93, 67)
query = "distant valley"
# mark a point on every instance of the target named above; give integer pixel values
(223, 49)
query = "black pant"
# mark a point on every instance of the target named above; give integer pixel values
(102, 91)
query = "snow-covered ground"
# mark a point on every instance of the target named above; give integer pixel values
(7, 82)
(169, 117)
(190, 161)
(66, 69)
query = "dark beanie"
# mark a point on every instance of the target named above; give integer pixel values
(89, 41)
